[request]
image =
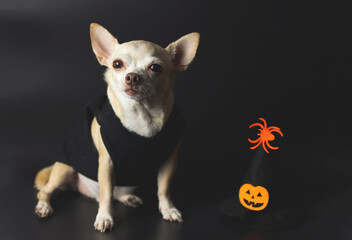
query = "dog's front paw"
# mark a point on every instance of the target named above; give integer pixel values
(43, 209)
(171, 214)
(103, 222)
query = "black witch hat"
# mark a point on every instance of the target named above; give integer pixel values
(256, 204)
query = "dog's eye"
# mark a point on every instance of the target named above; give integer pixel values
(117, 64)
(156, 68)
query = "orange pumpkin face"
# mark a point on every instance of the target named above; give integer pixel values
(253, 198)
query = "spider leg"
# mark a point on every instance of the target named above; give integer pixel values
(256, 124)
(278, 131)
(271, 147)
(273, 127)
(266, 150)
(254, 147)
(262, 119)
(253, 141)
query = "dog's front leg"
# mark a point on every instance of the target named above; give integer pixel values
(104, 218)
(166, 207)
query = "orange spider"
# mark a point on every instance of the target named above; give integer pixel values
(265, 135)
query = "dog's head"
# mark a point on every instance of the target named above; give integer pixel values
(140, 69)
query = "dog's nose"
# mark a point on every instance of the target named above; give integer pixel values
(132, 79)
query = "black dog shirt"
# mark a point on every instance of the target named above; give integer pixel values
(135, 158)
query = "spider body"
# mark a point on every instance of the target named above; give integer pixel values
(265, 135)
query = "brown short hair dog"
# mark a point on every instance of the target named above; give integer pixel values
(139, 80)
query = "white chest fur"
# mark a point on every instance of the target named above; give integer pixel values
(139, 117)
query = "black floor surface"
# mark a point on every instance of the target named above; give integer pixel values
(322, 215)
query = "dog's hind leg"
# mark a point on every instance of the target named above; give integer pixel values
(42, 177)
(59, 175)
(90, 188)
(124, 194)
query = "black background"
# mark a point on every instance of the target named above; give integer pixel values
(288, 62)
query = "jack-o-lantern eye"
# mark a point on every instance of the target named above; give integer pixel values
(253, 197)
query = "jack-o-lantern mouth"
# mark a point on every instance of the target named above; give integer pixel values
(255, 205)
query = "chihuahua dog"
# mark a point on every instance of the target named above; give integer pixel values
(139, 107)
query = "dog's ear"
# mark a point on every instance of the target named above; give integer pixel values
(103, 43)
(183, 51)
